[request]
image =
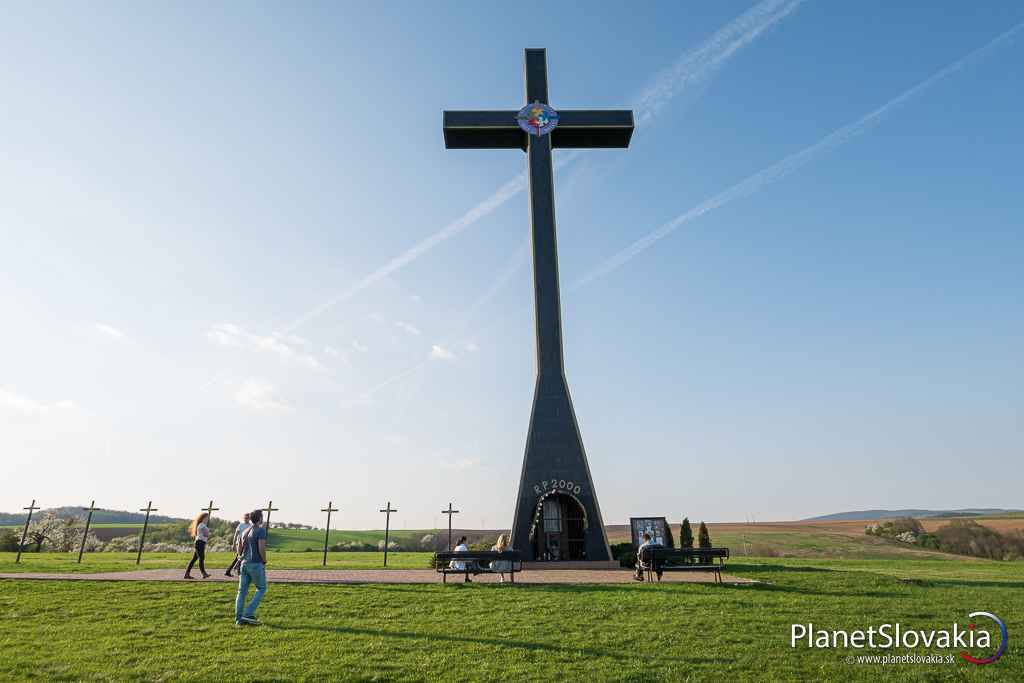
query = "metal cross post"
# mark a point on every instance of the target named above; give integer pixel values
(270, 508)
(327, 534)
(145, 525)
(387, 529)
(554, 446)
(449, 512)
(88, 522)
(24, 531)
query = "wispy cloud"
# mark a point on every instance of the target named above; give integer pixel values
(471, 347)
(789, 164)
(438, 352)
(408, 328)
(698, 66)
(232, 336)
(13, 402)
(109, 331)
(260, 396)
(361, 348)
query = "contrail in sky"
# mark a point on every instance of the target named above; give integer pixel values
(791, 163)
(695, 67)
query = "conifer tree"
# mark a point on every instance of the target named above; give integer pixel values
(703, 537)
(685, 534)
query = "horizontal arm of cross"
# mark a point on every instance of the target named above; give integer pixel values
(577, 128)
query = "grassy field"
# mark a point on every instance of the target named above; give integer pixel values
(112, 562)
(159, 631)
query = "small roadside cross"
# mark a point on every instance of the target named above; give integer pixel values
(387, 529)
(270, 508)
(88, 522)
(209, 509)
(327, 534)
(449, 512)
(24, 531)
(145, 525)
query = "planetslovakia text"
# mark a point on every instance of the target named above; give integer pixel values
(887, 636)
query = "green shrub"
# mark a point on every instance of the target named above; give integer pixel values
(9, 541)
(625, 553)
(685, 534)
(703, 537)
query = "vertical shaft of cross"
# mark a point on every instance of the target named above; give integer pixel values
(449, 512)
(270, 508)
(547, 305)
(327, 532)
(85, 534)
(387, 529)
(145, 525)
(24, 532)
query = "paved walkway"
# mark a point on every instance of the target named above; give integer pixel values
(353, 576)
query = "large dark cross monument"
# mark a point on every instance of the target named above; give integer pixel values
(557, 516)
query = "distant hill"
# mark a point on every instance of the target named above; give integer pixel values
(883, 514)
(98, 517)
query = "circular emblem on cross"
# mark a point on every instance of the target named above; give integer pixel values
(537, 119)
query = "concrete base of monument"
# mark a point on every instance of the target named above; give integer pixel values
(572, 564)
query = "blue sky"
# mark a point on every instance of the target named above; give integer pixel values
(239, 263)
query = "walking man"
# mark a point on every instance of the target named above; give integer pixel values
(252, 548)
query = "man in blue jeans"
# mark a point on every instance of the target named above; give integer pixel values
(252, 548)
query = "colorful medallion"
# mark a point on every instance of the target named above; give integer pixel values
(537, 119)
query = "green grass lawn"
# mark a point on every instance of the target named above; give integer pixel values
(301, 539)
(112, 562)
(160, 631)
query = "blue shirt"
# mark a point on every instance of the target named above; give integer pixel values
(251, 552)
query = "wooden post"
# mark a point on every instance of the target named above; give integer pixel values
(270, 508)
(327, 534)
(449, 512)
(24, 532)
(145, 525)
(88, 522)
(209, 510)
(387, 530)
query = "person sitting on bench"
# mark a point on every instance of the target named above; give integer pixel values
(640, 565)
(501, 566)
(458, 565)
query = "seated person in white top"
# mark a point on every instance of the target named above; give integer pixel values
(640, 566)
(458, 565)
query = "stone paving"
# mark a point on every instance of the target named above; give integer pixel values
(385, 576)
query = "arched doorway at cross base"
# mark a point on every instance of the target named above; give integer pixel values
(558, 533)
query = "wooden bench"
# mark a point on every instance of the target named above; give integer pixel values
(655, 559)
(477, 562)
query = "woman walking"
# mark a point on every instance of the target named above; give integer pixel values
(199, 530)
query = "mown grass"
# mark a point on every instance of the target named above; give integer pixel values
(299, 540)
(113, 562)
(161, 631)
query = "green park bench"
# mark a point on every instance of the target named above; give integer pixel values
(655, 559)
(477, 562)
